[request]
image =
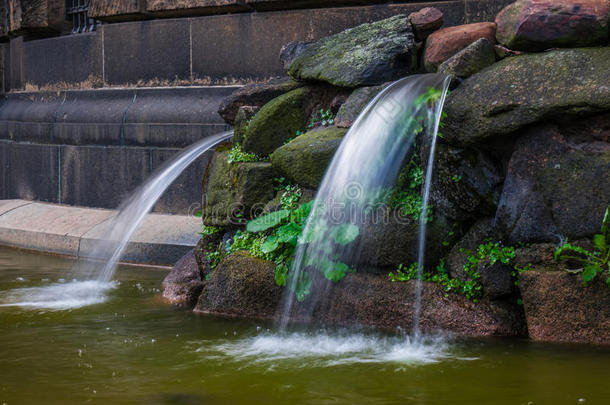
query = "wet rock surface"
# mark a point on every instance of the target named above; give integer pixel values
(534, 25)
(354, 105)
(241, 285)
(558, 308)
(184, 283)
(557, 184)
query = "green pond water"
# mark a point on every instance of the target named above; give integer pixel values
(130, 348)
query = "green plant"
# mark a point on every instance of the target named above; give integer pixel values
(595, 262)
(207, 230)
(237, 155)
(471, 289)
(323, 117)
(406, 196)
(456, 178)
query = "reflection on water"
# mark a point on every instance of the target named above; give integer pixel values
(132, 349)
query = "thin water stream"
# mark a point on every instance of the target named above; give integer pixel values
(133, 349)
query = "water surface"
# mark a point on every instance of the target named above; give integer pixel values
(127, 347)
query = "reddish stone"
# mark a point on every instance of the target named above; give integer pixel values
(535, 25)
(443, 44)
(184, 283)
(558, 308)
(426, 21)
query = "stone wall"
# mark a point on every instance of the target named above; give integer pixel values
(35, 17)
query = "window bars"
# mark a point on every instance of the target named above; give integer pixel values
(77, 12)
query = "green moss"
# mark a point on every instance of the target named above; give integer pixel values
(277, 121)
(304, 160)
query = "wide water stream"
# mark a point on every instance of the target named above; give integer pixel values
(130, 348)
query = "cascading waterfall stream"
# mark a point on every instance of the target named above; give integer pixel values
(363, 170)
(131, 213)
(98, 274)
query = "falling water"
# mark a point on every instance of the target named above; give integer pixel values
(133, 210)
(364, 168)
(64, 295)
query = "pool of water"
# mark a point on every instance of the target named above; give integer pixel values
(65, 342)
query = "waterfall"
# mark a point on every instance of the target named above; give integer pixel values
(133, 210)
(363, 171)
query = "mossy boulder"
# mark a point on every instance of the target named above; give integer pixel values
(525, 89)
(369, 54)
(304, 160)
(235, 191)
(241, 285)
(280, 119)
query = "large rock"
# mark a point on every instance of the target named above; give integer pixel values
(304, 160)
(254, 95)
(291, 51)
(244, 286)
(535, 25)
(478, 233)
(558, 182)
(475, 57)
(184, 283)
(522, 90)
(426, 21)
(558, 308)
(466, 184)
(366, 55)
(241, 285)
(390, 238)
(233, 192)
(444, 43)
(280, 119)
(354, 105)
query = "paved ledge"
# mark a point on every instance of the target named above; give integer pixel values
(73, 231)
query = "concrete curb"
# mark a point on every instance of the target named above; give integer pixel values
(72, 231)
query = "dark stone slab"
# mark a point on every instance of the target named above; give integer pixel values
(68, 59)
(28, 117)
(92, 117)
(15, 64)
(174, 117)
(247, 45)
(147, 50)
(184, 195)
(483, 10)
(4, 165)
(3, 60)
(33, 172)
(96, 176)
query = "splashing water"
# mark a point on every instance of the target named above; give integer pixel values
(355, 186)
(57, 296)
(323, 349)
(108, 251)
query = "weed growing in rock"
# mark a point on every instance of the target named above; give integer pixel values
(207, 230)
(291, 194)
(471, 289)
(406, 196)
(237, 155)
(595, 262)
